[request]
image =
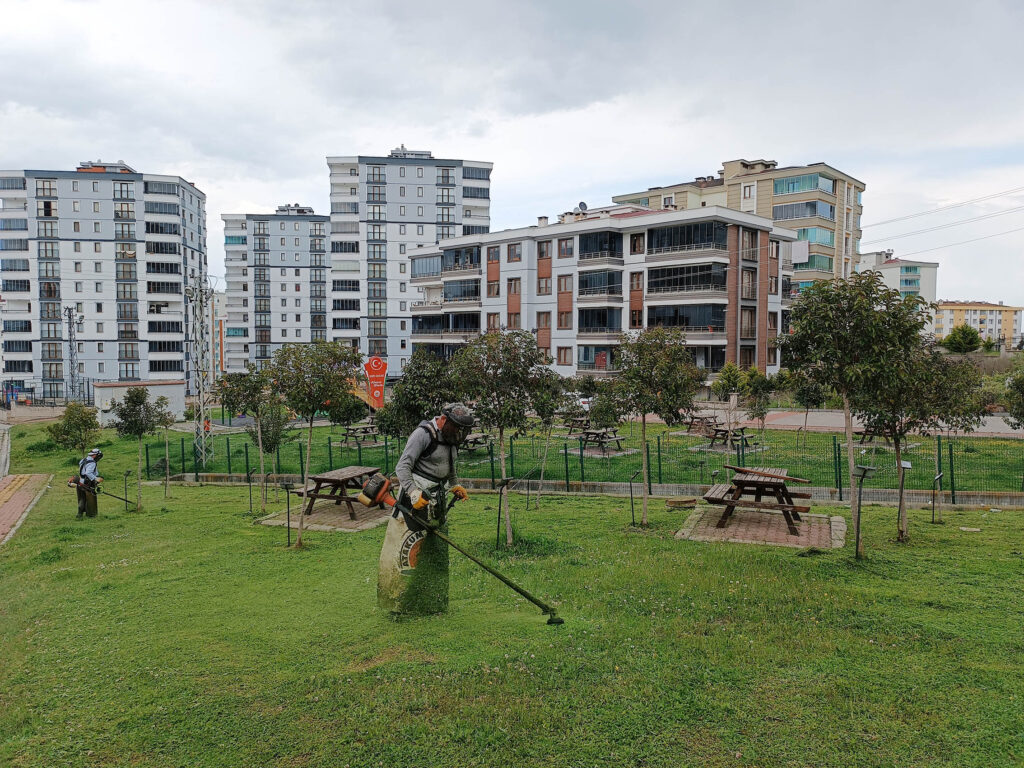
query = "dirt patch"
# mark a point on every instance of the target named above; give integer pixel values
(391, 655)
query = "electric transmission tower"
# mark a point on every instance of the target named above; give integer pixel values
(69, 314)
(199, 295)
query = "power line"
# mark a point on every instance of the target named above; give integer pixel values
(946, 226)
(962, 242)
(943, 208)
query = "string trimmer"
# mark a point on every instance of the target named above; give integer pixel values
(74, 482)
(377, 492)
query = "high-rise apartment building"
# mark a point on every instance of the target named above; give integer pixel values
(218, 322)
(821, 203)
(910, 278)
(118, 249)
(277, 285)
(382, 210)
(720, 275)
(996, 322)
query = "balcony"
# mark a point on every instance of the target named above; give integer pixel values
(460, 336)
(446, 179)
(602, 333)
(749, 254)
(457, 270)
(598, 258)
(461, 303)
(700, 292)
(690, 252)
(702, 333)
(599, 296)
(427, 307)
(608, 369)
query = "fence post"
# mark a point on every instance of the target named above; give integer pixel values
(647, 448)
(359, 452)
(227, 440)
(302, 464)
(277, 464)
(659, 460)
(247, 462)
(386, 458)
(330, 455)
(582, 477)
(147, 462)
(938, 459)
(835, 461)
(952, 477)
(511, 457)
(183, 458)
(565, 453)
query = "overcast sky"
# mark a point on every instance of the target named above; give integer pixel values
(570, 100)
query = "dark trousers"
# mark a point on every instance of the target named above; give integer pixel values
(86, 503)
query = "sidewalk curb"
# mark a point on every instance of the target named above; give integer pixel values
(31, 505)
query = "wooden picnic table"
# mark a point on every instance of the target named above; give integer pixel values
(730, 437)
(601, 437)
(476, 440)
(578, 423)
(335, 485)
(759, 482)
(358, 432)
(703, 424)
(866, 435)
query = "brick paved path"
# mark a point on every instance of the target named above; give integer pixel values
(17, 492)
(747, 526)
(327, 516)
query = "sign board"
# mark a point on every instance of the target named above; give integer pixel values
(376, 369)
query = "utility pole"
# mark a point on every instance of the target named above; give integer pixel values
(199, 296)
(72, 320)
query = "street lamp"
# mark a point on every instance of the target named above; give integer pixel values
(860, 474)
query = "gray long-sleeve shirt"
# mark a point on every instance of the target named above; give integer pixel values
(440, 463)
(88, 470)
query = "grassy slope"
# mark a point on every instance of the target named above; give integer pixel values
(185, 635)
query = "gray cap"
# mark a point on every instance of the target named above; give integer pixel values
(460, 413)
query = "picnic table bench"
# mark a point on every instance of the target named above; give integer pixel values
(476, 440)
(730, 437)
(702, 424)
(359, 432)
(601, 437)
(334, 485)
(759, 482)
(866, 435)
(578, 423)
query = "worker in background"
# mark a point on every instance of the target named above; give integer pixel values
(413, 578)
(88, 480)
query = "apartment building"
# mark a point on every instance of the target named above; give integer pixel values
(218, 322)
(721, 275)
(383, 209)
(116, 247)
(910, 278)
(277, 289)
(822, 203)
(993, 321)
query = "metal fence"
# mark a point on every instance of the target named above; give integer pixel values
(965, 463)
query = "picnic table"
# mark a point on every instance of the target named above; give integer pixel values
(360, 432)
(578, 424)
(866, 435)
(476, 440)
(729, 437)
(759, 482)
(702, 424)
(335, 485)
(601, 437)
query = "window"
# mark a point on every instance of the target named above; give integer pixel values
(419, 229)
(748, 323)
(493, 288)
(514, 252)
(565, 355)
(419, 173)
(401, 210)
(773, 321)
(95, 207)
(544, 250)
(494, 253)
(565, 249)
(636, 243)
(636, 318)
(401, 229)
(543, 320)
(748, 288)
(564, 320)
(636, 281)
(513, 286)
(565, 283)
(493, 321)
(419, 210)
(543, 286)
(514, 322)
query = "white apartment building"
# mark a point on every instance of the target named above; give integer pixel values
(910, 278)
(382, 210)
(116, 248)
(720, 275)
(276, 274)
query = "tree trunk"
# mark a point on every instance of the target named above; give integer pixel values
(807, 412)
(505, 502)
(902, 534)
(138, 481)
(643, 464)
(544, 463)
(848, 425)
(167, 464)
(305, 474)
(263, 476)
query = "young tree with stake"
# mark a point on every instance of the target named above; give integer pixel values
(311, 377)
(136, 416)
(549, 399)
(499, 369)
(250, 392)
(656, 375)
(77, 429)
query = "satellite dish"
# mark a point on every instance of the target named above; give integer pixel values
(583, 206)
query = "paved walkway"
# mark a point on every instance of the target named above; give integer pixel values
(328, 516)
(832, 421)
(747, 526)
(17, 495)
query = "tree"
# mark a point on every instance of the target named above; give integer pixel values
(166, 420)
(808, 393)
(135, 416)
(269, 431)
(656, 375)
(1015, 400)
(757, 390)
(920, 391)
(962, 339)
(499, 370)
(251, 392)
(728, 381)
(77, 429)
(845, 333)
(310, 377)
(347, 409)
(549, 399)
(427, 384)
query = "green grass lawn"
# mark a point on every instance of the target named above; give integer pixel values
(186, 635)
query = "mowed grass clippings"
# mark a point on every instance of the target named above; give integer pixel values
(185, 635)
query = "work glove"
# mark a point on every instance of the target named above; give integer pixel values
(459, 493)
(419, 501)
